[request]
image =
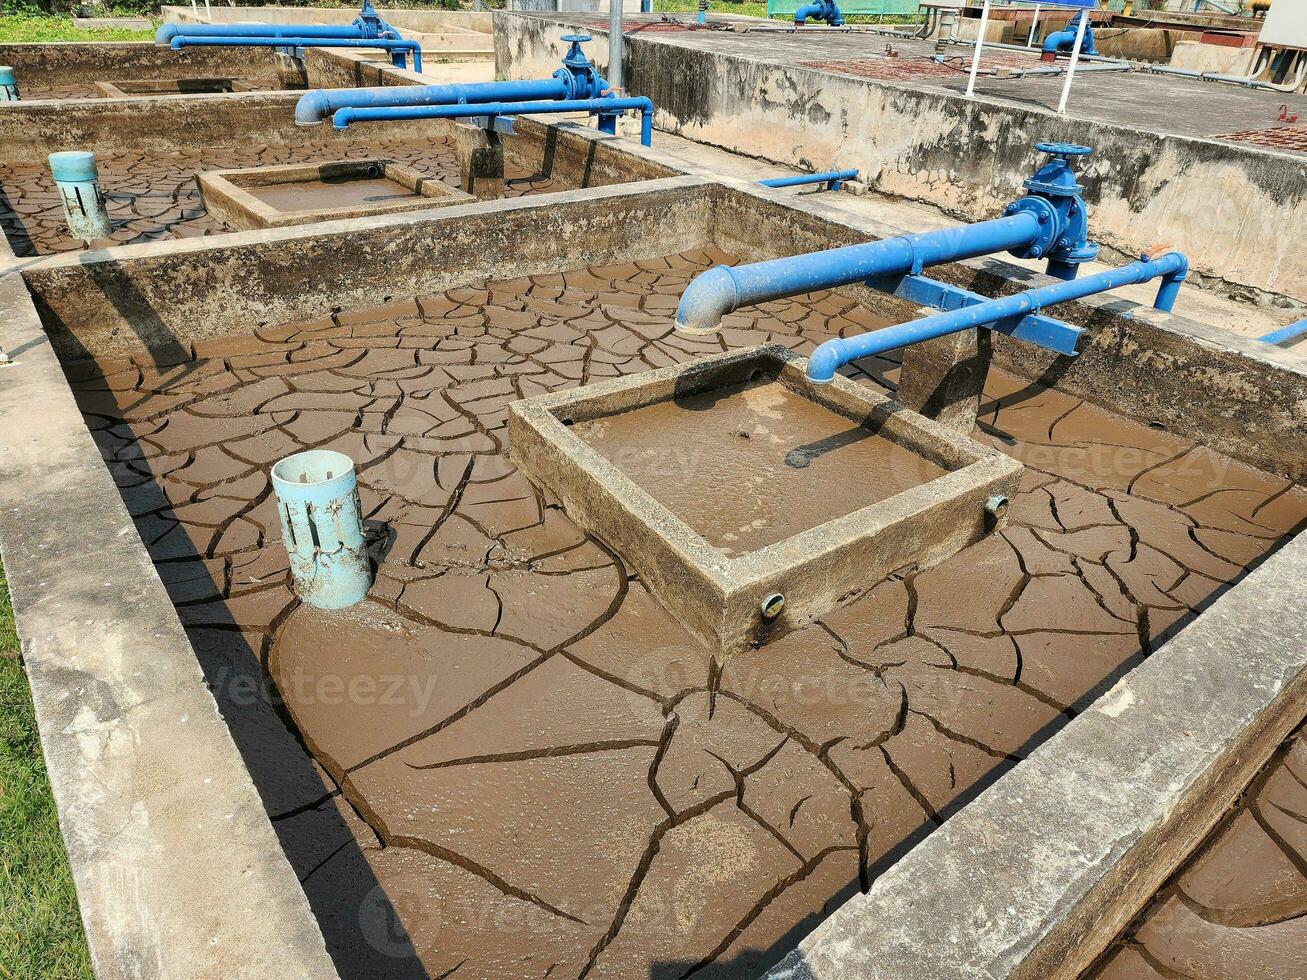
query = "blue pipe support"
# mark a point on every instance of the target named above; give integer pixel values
(1065, 39)
(1049, 222)
(8, 84)
(397, 48)
(827, 10)
(607, 108)
(577, 79)
(78, 182)
(1290, 332)
(834, 354)
(322, 527)
(833, 179)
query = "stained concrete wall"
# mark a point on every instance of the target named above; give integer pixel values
(1240, 214)
(161, 297)
(67, 64)
(30, 130)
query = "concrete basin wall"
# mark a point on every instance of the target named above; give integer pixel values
(65, 64)
(430, 21)
(1240, 214)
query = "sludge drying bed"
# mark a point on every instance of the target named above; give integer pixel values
(511, 743)
(154, 196)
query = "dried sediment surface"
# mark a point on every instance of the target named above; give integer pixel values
(510, 761)
(1239, 907)
(153, 196)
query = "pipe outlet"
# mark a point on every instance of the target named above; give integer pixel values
(705, 301)
(79, 188)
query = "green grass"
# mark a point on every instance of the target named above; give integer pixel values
(27, 27)
(40, 931)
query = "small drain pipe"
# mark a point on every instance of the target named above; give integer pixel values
(8, 84)
(397, 49)
(827, 10)
(833, 179)
(834, 354)
(1049, 222)
(322, 526)
(577, 79)
(79, 188)
(607, 109)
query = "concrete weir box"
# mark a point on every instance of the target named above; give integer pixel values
(750, 500)
(297, 194)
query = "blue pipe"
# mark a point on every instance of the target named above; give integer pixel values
(1065, 39)
(313, 107)
(827, 10)
(723, 290)
(1285, 333)
(167, 32)
(396, 48)
(834, 354)
(577, 79)
(831, 178)
(604, 107)
(1049, 222)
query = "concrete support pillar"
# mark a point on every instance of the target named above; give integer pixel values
(480, 161)
(291, 72)
(943, 378)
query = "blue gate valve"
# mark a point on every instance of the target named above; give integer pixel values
(1053, 195)
(827, 10)
(578, 76)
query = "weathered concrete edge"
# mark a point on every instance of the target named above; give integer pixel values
(164, 830)
(1040, 872)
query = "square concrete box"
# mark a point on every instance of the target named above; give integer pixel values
(750, 500)
(296, 194)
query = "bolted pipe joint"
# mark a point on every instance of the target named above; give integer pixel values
(703, 304)
(322, 526)
(1053, 196)
(581, 80)
(8, 84)
(78, 183)
(1065, 39)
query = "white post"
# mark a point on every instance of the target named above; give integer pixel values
(208, 11)
(1034, 26)
(615, 44)
(975, 57)
(1075, 57)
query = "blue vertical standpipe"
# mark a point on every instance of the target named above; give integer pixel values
(576, 79)
(8, 84)
(827, 10)
(79, 188)
(1065, 39)
(1049, 222)
(322, 527)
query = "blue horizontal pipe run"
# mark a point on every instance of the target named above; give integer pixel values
(830, 177)
(723, 290)
(344, 117)
(313, 107)
(1285, 333)
(834, 354)
(386, 44)
(167, 32)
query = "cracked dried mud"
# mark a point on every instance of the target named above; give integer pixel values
(509, 761)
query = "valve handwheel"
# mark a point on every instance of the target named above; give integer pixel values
(1064, 149)
(576, 38)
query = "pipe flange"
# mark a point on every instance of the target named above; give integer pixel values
(1046, 214)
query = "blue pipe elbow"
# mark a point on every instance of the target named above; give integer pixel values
(706, 300)
(826, 360)
(1065, 39)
